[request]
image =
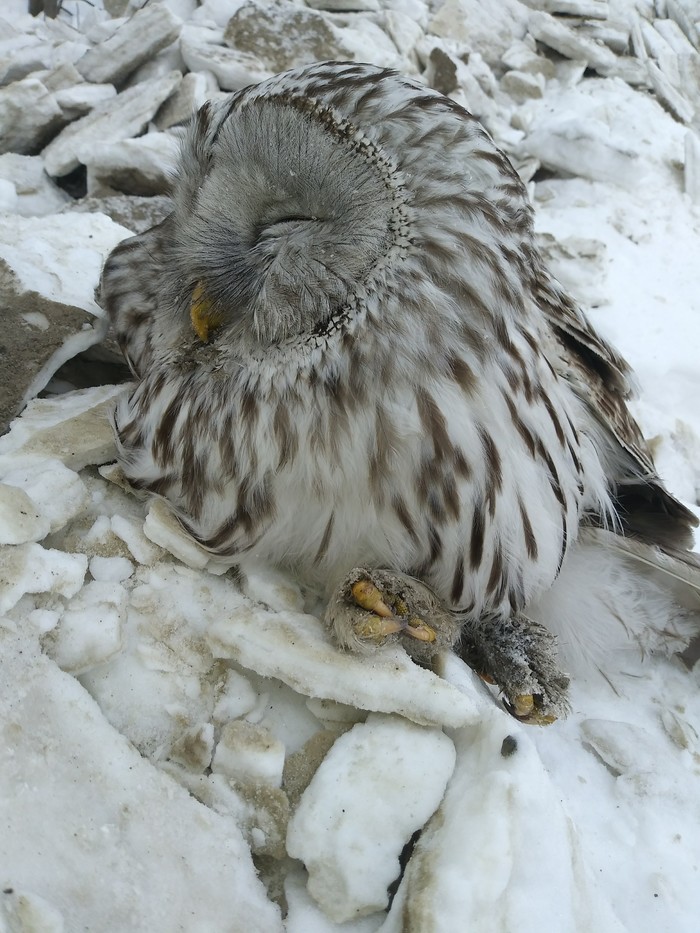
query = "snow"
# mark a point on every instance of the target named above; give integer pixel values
(346, 810)
(182, 747)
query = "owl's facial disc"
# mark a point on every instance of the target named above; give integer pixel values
(295, 217)
(203, 314)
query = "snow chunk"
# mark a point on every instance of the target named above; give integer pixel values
(56, 492)
(20, 520)
(194, 89)
(297, 650)
(140, 166)
(36, 192)
(29, 913)
(111, 569)
(377, 785)
(130, 531)
(162, 528)
(106, 821)
(74, 428)
(30, 568)
(49, 268)
(122, 117)
(237, 698)
(138, 39)
(233, 70)
(90, 630)
(304, 915)
(82, 98)
(249, 754)
(28, 115)
(499, 831)
(60, 258)
(489, 29)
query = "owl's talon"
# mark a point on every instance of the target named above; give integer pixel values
(367, 596)
(417, 628)
(371, 606)
(377, 628)
(527, 709)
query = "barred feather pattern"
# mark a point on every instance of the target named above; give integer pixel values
(396, 380)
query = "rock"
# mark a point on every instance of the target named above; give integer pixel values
(76, 101)
(489, 30)
(441, 72)
(357, 39)
(232, 70)
(47, 297)
(378, 784)
(195, 88)
(283, 35)
(138, 39)
(124, 116)
(139, 166)
(403, 31)
(137, 214)
(29, 115)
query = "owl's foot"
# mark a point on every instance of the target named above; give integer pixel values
(372, 608)
(518, 655)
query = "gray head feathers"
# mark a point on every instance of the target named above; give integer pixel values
(287, 220)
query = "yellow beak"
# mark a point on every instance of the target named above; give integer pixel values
(204, 317)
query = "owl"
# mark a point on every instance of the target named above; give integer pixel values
(352, 363)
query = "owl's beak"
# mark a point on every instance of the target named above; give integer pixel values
(203, 315)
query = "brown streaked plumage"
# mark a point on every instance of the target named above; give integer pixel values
(348, 351)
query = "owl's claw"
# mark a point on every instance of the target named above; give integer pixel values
(518, 656)
(388, 621)
(527, 708)
(370, 608)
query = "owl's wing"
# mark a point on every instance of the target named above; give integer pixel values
(601, 379)
(128, 292)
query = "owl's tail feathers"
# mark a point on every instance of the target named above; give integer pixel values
(617, 600)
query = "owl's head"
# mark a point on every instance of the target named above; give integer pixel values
(285, 214)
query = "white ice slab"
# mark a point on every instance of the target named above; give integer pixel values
(378, 784)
